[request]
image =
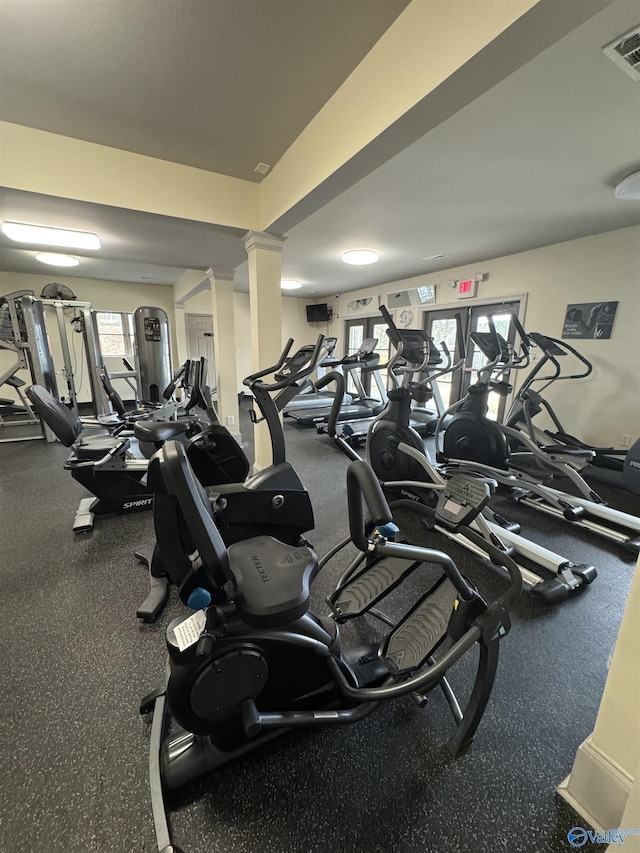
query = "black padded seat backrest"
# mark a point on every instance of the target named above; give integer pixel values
(66, 426)
(114, 398)
(181, 482)
(272, 580)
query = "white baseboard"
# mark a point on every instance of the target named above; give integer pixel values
(597, 788)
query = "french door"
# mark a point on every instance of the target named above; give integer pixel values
(356, 331)
(443, 326)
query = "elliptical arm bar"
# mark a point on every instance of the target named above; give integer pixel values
(289, 381)
(363, 483)
(579, 356)
(524, 337)
(273, 369)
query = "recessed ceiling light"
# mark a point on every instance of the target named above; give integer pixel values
(435, 257)
(45, 236)
(290, 284)
(56, 260)
(360, 257)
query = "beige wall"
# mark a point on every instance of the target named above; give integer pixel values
(604, 267)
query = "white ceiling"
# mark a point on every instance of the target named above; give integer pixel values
(529, 162)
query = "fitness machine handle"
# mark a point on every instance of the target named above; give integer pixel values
(363, 483)
(524, 337)
(254, 376)
(578, 355)
(252, 381)
(338, 378)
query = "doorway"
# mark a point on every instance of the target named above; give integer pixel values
(443, 325)
(200, 340)
(356, 331)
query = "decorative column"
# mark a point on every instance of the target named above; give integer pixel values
(224, 344)
(264, 253)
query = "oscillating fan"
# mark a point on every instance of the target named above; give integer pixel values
(55, 290)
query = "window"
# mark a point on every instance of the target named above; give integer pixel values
(115, 333)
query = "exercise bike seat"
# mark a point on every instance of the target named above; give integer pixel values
(94, 447)
(272, 580)
(157, 432)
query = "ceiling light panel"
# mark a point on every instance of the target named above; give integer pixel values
(56, 260)
(290, 284)
(43, 235)
(360, 257)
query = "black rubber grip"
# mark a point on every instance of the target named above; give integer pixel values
(363, 483)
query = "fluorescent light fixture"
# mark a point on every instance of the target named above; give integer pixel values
(45, 236)
(629, 188)
(360, 257)
(290, 284)
(56, 260)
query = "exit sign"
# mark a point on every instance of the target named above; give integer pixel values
(467, 289)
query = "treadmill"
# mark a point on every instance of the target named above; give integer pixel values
(309, 397)
(361, 406)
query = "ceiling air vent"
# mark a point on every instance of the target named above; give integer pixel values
(625, 52)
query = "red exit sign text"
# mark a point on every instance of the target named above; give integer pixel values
(466, 289)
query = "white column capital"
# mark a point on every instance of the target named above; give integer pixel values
(262, 240)
(214, 275)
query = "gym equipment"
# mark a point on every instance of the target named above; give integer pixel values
(402, 464)
(308, 396)
(361, 406)
(274, 501)
(474, 442)
(153, 352)
(13, 339)
(165, 411)
(105, 464)
(258, 662)
(618, 467)
(437, 364)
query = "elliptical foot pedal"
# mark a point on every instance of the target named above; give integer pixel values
(369, 586)
(422, 630)
(85, 516)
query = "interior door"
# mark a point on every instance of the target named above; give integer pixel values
(200, 342)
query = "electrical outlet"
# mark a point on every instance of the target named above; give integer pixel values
(230, 420)
(625, 441)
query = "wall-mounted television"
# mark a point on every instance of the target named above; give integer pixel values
(319, 313)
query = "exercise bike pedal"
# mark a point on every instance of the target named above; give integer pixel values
(421, 631)
(369, 586)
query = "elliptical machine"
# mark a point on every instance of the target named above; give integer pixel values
(402, 463)
(617, 467)
(257, 662)
(473, 442)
